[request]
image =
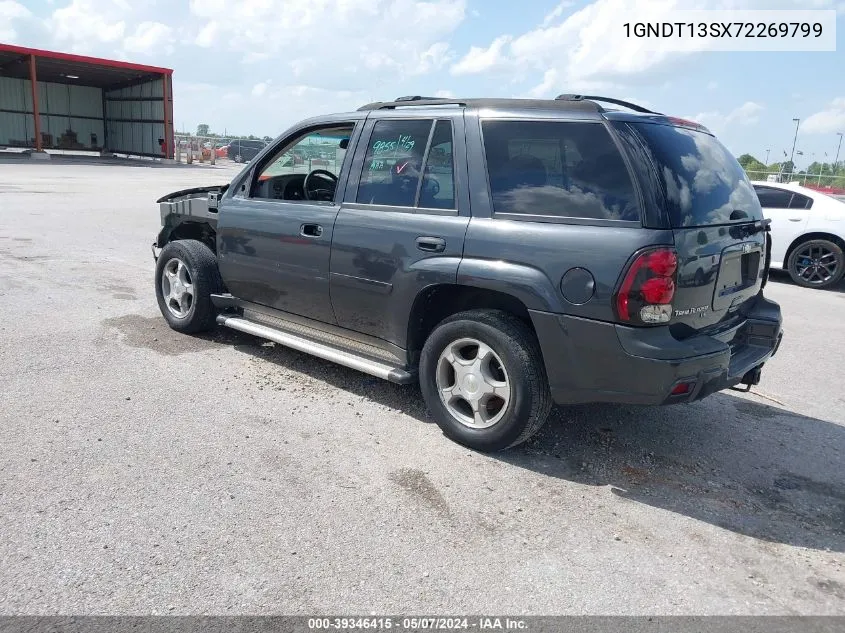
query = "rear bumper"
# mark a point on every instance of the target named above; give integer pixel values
(594, 361)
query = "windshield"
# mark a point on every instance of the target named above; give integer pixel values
(703, 183)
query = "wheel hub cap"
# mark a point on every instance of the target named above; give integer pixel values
(470, 384)
(177, 288)
(473, 383)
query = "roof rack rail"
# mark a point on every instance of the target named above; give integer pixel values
(403, 102)
(416, 98)
(620, 102)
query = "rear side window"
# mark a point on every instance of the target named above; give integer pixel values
(557, 169)
(702, 182)
(773, 198)
(800, 202)
(438, 186)
(409, 164)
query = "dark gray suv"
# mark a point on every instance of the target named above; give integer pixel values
(505, 253)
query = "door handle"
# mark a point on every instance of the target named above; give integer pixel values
(795, 219)
(431, 244)
(311, 230)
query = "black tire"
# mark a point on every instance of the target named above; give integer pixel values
(807, 278)
(239, 158)
(201, 265)
(517, 347)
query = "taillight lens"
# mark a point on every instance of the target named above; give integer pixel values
(663, 262)
(645, 296)
(658, 290)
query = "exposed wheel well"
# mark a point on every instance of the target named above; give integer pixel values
(435, 303)
(200, 231)
(811, 236)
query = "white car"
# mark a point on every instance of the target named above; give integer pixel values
(808, 232)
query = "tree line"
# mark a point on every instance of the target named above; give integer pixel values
(830, 174)
(203, 129)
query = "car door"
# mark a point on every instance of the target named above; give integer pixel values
(789, 212)
(403, 219)
(274, 243)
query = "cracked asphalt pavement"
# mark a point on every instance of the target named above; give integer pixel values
(147, 472)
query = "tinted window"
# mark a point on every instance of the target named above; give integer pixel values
(438, 185)
(772, 198)
(393, 163)
(557, 169)
(702, 182)
(800, 202)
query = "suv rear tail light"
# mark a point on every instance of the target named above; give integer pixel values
(645, 296)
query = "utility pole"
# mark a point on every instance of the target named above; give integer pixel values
(767, 157)
(794, 140)
(836, 160)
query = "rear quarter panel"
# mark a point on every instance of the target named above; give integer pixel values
(529, 259)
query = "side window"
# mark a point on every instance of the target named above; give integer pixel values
(800, 202)
(557, 169)
(393, 163)
(318, 154)
(772, 198)
(438, 184)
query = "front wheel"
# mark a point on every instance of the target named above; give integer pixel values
(816, 264)
(483, 379)
(186, 277)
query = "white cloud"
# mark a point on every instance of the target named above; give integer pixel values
(207, 35)
(259, 89)
(434, 58)
(746, 114)
(828, 121)
(385, 38)
(479, 60)
(9, 12)
(558, 11)
(150, 37)
(254, 57)
(85, 23)
(547, 86)
(445, 94)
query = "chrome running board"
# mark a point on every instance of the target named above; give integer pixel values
(370, 366)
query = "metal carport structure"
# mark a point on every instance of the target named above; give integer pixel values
(51, 100)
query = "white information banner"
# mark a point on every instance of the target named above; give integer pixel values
(689, 30)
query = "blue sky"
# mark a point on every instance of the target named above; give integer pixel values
(257, 66)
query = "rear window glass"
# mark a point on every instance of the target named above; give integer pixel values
(702, 182)
(771, 198)
(557, 169)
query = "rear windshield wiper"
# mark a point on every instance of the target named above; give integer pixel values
(757, 227)
(740, 231)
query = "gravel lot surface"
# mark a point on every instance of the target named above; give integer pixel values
(143, 471)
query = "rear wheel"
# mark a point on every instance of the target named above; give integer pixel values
(816, 264)
(186, 277)
(483, 379)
